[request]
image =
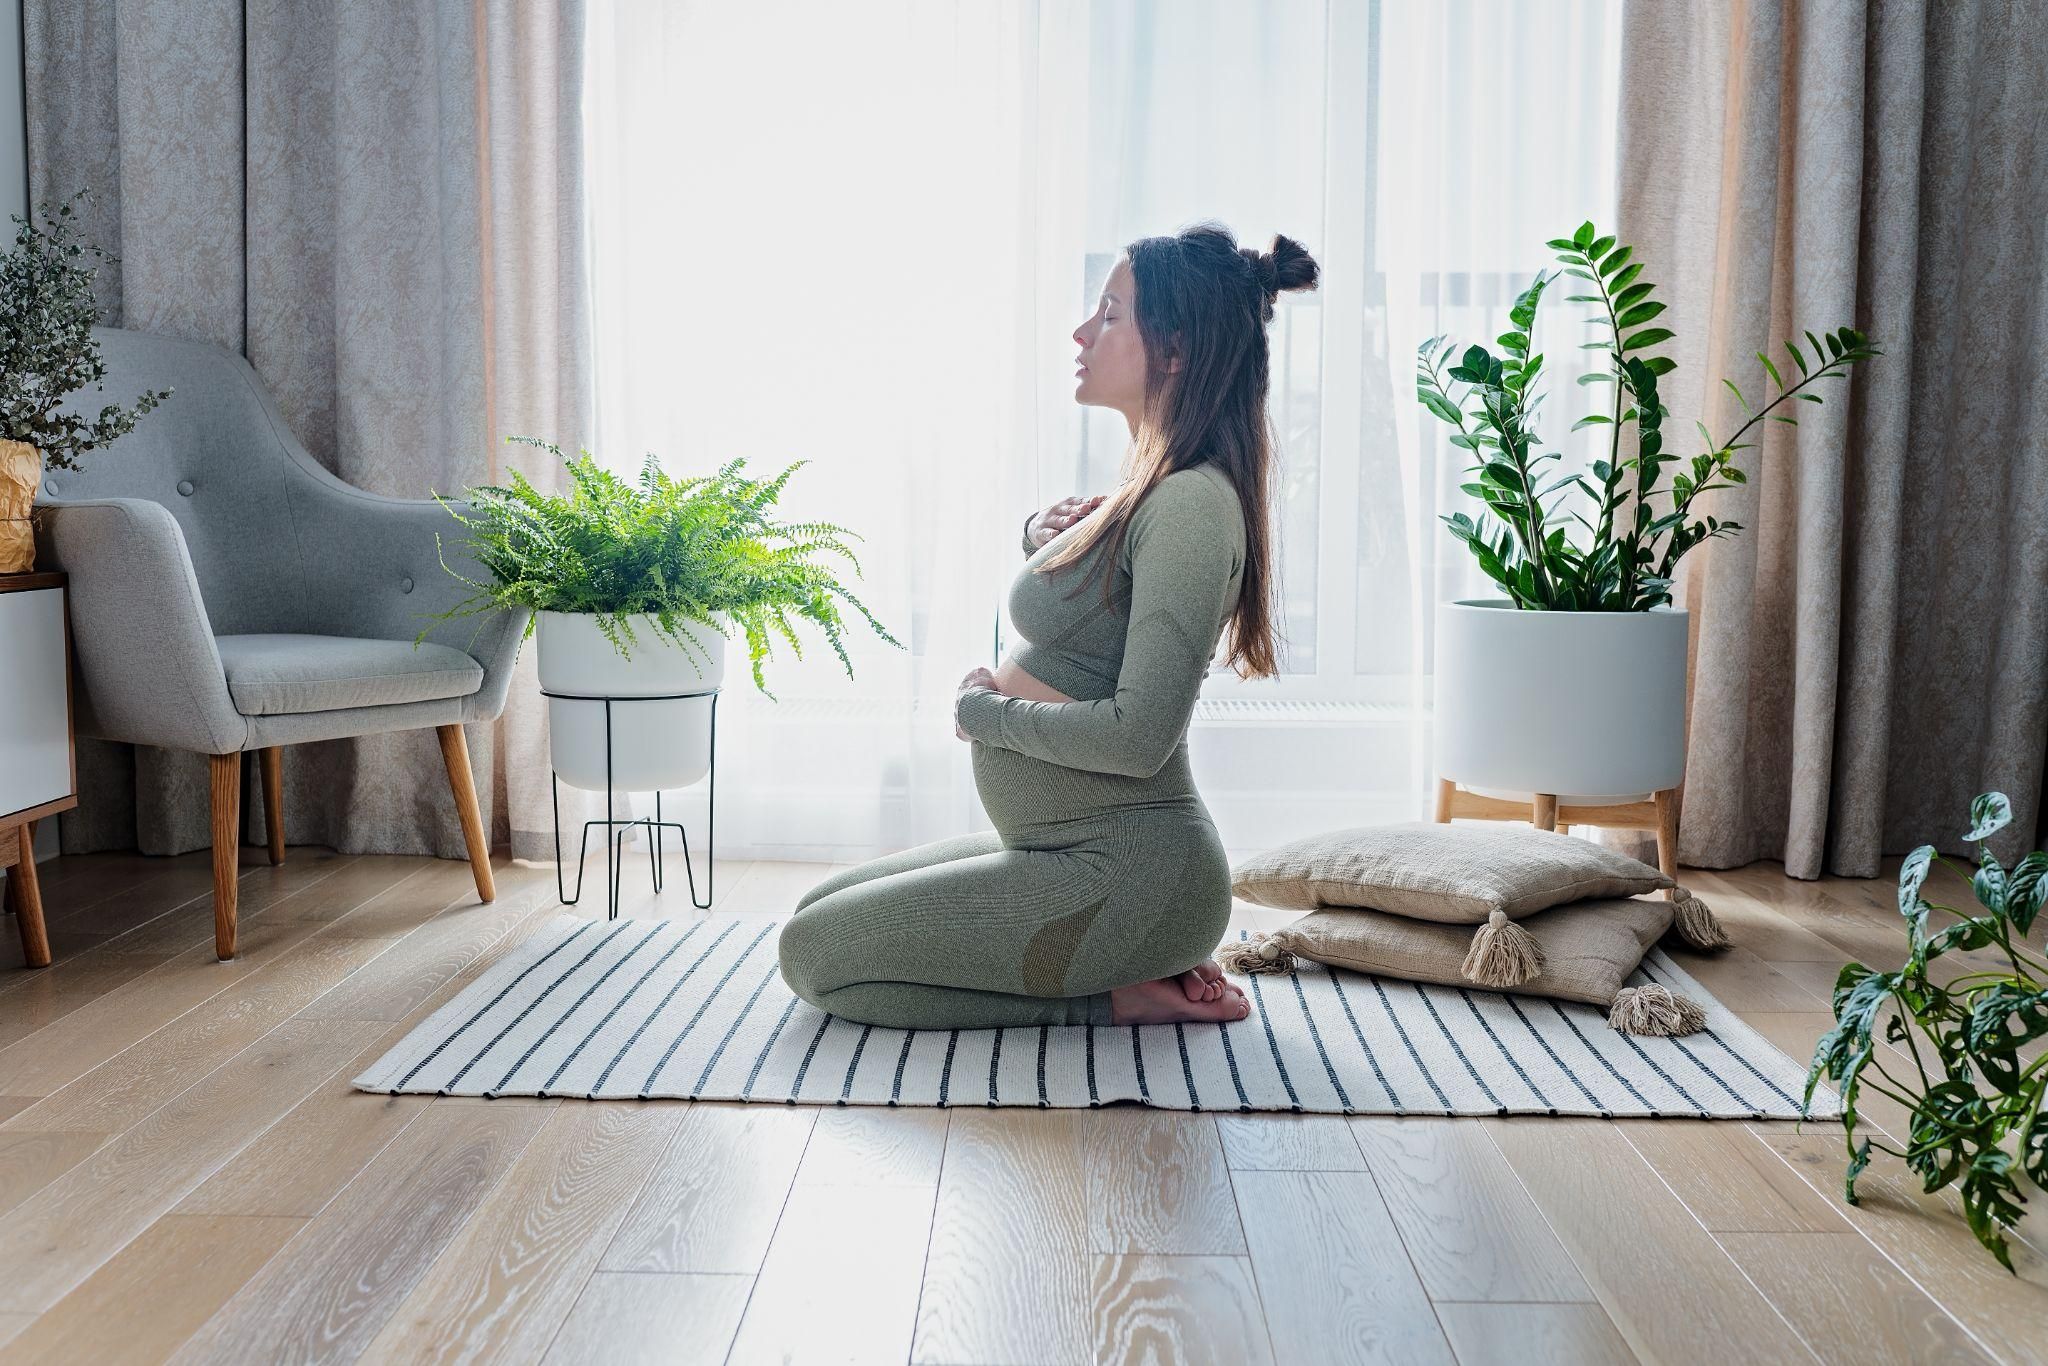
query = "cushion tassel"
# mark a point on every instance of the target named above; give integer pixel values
(1696, 924)
(1260, 953)
(1503, 954)
(1654, 1010)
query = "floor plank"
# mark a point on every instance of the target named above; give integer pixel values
(507, 1282)
(1158, 1182)
(136, 1080)
(331, 1289)
(65, 1231)
(1469, 1227)
(1664, 1281)
(1289, 1143)
(717, 1210)
(1008, 1278)
(673, 1320)
(840, 1282)
(1533, 1335)
(1925, 1236)
(1183, 1309)
(1730, 1180)
(862, 1145)
(1848, 1300)
(156, 1291)
(1332, 1272)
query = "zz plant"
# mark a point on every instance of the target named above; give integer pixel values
(1974, 1097)
(1637, 529)
(671, 550)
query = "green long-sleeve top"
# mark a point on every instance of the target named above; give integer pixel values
(1135, 667)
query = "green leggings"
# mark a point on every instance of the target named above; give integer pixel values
(1090, 881)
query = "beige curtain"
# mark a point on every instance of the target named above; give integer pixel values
(1871, 652)
(380, 204)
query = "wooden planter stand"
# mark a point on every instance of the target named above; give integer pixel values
(1660, 814)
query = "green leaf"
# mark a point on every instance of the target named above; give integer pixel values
(1583, 238)
(1989, 814)
(1649, 336)
(1592, 420)
(1615, 260)
(1599, 247)
(1641, 313)
(1771, 370)
(1797, 358)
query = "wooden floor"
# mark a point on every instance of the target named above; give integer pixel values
(185, 1173)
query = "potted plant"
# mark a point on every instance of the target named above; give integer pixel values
(634, 586)
(1573, 684)
(47, 353)
(1977, 1077)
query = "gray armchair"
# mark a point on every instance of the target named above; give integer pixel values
(229, 594)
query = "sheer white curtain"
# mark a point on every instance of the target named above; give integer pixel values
(861, 235)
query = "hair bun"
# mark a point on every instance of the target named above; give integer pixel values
(1289, 266)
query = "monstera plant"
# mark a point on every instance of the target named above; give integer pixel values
(1961, 1051)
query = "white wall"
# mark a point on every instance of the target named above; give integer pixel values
(13, 135)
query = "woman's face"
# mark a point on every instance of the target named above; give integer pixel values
(1111, 362)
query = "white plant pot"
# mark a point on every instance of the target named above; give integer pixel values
(1588, 706)
(656, 744)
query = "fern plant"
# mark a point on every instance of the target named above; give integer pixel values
(1978, 1077)
(674, 551)
(1637, 528)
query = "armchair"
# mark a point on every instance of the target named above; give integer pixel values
(229, 594)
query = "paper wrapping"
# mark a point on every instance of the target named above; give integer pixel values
(21, 469)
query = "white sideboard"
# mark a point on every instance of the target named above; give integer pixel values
(38, 774)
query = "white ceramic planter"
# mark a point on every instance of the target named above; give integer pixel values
(656, 744)
(1589, 706)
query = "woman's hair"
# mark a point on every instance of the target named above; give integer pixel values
(1202, 295)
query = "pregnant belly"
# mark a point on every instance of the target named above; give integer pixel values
(1012, 681)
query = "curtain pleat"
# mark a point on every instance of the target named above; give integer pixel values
(380, 205)
(1870, 652)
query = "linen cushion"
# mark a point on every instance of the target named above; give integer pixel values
(281, 675)
(1589, 947)
(1452, 874)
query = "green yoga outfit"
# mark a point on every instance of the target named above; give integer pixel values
(1104, 867)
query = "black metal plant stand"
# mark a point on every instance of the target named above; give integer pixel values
(615, 844)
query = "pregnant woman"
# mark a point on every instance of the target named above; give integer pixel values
(1103, 889)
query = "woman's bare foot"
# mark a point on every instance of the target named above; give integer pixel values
(1203, 982)
(1163, 1001)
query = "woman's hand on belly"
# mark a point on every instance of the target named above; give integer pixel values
(1011, 681)
(977, 677)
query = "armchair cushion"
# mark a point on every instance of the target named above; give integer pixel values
(279, 675)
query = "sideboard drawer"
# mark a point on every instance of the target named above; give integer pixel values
(35, 717)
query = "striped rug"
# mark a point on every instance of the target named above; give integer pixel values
(697, 1009)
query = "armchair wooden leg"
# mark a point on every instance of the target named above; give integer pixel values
(455, 754)
(273, 800)
(227, 845)
(1544, 816)
(28, 899)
